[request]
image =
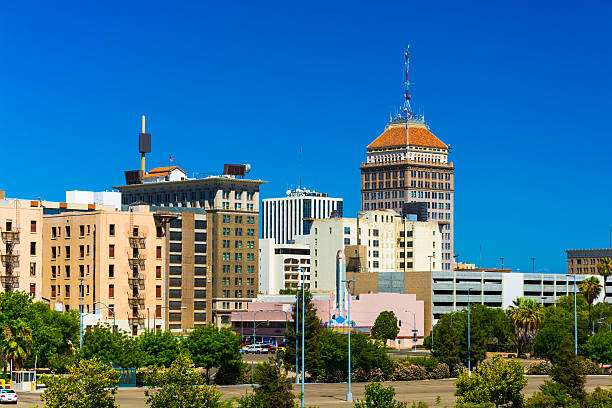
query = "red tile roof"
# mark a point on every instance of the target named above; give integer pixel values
(396, 136)
(161, 171)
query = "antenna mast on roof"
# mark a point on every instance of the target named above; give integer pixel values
(407, 108)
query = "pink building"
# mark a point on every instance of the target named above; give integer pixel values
(271, 314)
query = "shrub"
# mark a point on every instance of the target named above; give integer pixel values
(441, 371)
(429, 363)
(599, 398)
(476, 405)
(373, 375)
(568, 373)
(557, 392)
(589, 367)
(378, 396)
(539, 368)
(539, 400)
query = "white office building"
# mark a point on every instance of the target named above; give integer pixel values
(279, 266)
(284, 218)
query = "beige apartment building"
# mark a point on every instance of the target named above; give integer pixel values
(21, 250)
(107, 262)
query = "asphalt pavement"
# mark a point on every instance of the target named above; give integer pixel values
(333, 395)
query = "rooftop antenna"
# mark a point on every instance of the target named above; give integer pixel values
(144, 145)
(300, 166)
(407, 108)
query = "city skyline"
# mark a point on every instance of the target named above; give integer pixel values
(511, 105)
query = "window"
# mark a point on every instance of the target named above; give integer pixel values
(111, 291)
(158, 272)
(32, 226)
(347, 241)
(67, 291)
(67, 231)
(347, 230)
(158, 252)
(32, 248)
(81, 271)
(32, 268)
(53, 293)
(111, 230)
(81, 230)
(53, 232)
(111, 251)
(111, 271)
(67, 252)
(53, 272)
(158, 293)
(81, 251)
(158, 310)
(67, 271)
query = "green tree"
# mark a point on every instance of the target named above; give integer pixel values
(91, 384)
(385, 327)
(180, 386)
(590, 288)
(555, 338)
(599, 347)
(497, 381)
(379, 396)
(53, 334)
(569, 373)
(526, 315)
(274, 390)
(313, 330)
(366, 355)
(17, 342)
(445, 335)
(210, 347)
(117, 348)
(604, 269)
(159, 349)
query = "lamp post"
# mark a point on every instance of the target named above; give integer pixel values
(303, 344)
(110, 310)
(575, 317)
(469, 338)
(414, 329)
(349, 394)
(81, 313)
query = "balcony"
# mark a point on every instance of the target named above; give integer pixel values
(136, 300)
(137, 319)
(443, 286)
(138, 280)
(11, 237)
(10, 280)
(137, 261)
(10, 260)
(137, 241)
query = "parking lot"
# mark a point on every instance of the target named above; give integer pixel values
(333, 395)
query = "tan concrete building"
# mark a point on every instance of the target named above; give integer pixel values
(22, 246)
(108, 262)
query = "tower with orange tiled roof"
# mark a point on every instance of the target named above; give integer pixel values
(407, 165)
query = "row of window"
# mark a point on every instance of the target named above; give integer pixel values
(237, 281)
(237, 256)
(56, 251)
(238, 232)
(226, 293)
(238, 269)
(238, 219)
(413, 173)
(84, 271)
(238, 244)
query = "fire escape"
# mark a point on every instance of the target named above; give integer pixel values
(136, 279)
(10, 259)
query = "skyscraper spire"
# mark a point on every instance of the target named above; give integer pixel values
(407, 109)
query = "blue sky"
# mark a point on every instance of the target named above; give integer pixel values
(520, 90)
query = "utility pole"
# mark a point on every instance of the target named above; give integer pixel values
(533, 265)
(349, 394)
(469, 338)
(502, 262)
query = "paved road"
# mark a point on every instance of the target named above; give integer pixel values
(333, 395)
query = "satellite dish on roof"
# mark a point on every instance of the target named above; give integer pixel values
(247, 168)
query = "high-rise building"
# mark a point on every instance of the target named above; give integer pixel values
(280, 264)
(213, 244)
(284, 218)
(407, 163)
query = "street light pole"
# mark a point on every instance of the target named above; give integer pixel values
(575, 318)
(533, 265)
(81, 313)
(469, 338)
(349, 394)
(297, 328)
(414, 329)
(303, 343)
(110, 310)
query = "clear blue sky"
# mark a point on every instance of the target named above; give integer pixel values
(520, 90)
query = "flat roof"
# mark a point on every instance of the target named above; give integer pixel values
(189, 182)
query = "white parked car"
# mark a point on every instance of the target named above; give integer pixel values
(8, 396)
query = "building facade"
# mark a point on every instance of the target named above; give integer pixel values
(284, 218)
(408, 163)
(381, 239)
(229, 207)
(22, 246)
(110, 263)
(278, 266)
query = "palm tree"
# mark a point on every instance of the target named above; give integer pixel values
(604, 268)
(590, 288)
(526, 315)
(17, 343)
